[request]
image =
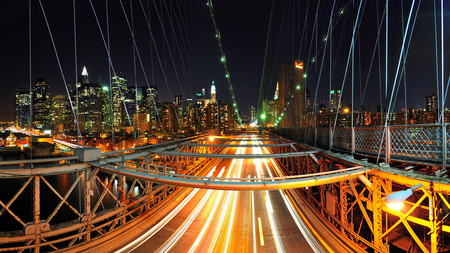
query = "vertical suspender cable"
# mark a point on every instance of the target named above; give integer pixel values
(76, 73)
(136, 102)
(110, 78)
(444, 130)
(386, 66)
(260, 106)
(31, 84)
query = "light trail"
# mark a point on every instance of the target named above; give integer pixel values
(230, 195)
(298, 221)
(210, 217)
(182, 229)
(143, 238)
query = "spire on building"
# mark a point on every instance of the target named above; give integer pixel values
(84, 73)
(275, 97)
(84, 77)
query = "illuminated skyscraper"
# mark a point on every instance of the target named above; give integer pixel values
(41, 103)
(89, 105)
(213, 93)
(119, 91)
(21, 107)
(292, 89)
(431, 104)
(335, 96)
(58, 112)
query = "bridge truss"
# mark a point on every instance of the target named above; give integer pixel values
(352, 206)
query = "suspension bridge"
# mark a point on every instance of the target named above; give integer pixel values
(146, 176)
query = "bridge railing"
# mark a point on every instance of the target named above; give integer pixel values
(409, 141)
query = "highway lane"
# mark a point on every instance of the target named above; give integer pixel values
(231, 221)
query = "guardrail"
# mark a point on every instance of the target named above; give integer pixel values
(430, 141)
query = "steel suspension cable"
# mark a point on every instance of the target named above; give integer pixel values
(223, 59)
(265, 59)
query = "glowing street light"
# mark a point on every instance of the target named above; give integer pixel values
(211, 138)
(263, 116)
(395, 200)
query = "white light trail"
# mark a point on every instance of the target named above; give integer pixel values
(182, 229)
(143, 238)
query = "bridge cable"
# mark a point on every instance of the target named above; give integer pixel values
(57, 58)
(112, 66)
(265, 59)
(396, 75)
(31, 82)
(223, 59)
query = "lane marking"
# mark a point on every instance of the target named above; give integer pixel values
(253, 222)
(261, 237)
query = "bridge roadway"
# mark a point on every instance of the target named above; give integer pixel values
(233, 221)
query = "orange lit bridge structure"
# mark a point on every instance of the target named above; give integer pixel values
(118, 190)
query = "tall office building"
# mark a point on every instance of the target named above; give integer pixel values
(252, 113)
(291, 83)
(89, 105)
(431, 104)
(333, 101)
(41, 103)
(213, 93)
(119, 91)
(203, 97)
(58, 112)
(21, 107)
(106, 107)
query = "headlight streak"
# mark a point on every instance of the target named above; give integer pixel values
(222, 216)
(273, 225)
(230, 224)
(301, 226)
(182, 229)
(142, 239)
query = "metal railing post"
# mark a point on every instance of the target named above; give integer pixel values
(87, 204)
(388, 143)
(37, 213)
(353, 140)
(330, 136)
(444, 150)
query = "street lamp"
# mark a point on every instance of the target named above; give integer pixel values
(395, 200)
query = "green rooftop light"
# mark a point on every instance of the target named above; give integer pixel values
(263, 116)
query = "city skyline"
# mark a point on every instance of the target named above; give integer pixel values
(244, 35)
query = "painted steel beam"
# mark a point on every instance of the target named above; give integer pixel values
(242, 139)
(238, 184)
(235, 156)
(17, 171)
(238, 145)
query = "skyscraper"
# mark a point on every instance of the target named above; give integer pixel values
(119, 91)
(41, 103)
(333, 102)
(58, 112)
(431, 104)
(21, 107)
(213, 93)
(292, 88)
(89, 105)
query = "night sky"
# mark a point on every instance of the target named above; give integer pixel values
(180, 54)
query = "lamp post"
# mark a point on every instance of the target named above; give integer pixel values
(395, 200)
